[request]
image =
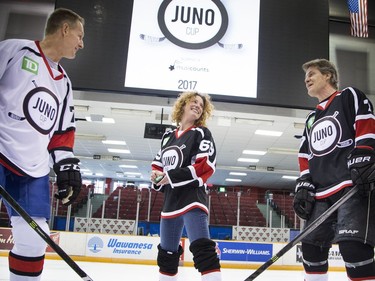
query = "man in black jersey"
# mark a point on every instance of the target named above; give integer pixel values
(337, 152)
(187, 158)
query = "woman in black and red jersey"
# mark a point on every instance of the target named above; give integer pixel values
(180, 170)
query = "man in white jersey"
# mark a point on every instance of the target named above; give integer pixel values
(37, 132)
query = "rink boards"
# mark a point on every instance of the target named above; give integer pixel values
(143, 250)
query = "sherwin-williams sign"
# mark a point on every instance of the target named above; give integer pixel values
(254, 252)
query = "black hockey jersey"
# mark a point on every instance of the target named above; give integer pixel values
(188, 160)
(338, 124)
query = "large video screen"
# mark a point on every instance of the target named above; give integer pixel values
(237, 51)
(192, 45)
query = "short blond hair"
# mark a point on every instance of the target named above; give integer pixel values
(61, 16)
(186, 97)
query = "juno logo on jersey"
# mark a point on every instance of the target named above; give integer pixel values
(325, 135)
(193, 24)
(172, 157)
(41, 108)
(30, 65)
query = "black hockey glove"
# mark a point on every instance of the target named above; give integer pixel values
(304, 199)
(361, 163)
(69, 181)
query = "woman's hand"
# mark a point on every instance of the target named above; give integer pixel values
(156, 177)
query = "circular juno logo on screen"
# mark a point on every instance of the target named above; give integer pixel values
(193, 24)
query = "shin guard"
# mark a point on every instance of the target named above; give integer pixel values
(168, 261)
(205, 256)
(359, 260)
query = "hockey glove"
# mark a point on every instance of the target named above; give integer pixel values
(304, 199)
(69, 181)
(361, 163)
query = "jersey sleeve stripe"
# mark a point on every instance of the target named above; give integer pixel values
(355, 97)
(157, 166)
(365, 137)
(65, 140)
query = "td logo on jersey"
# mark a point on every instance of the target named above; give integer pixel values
(172, 158)
(30, 65)
(193, 24)
(41, 108)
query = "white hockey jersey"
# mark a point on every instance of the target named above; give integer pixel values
(36, 110)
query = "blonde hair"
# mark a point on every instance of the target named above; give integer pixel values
(183, 99)
(59, 17)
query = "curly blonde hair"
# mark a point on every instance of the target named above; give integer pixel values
(183, 99)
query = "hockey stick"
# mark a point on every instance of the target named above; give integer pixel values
(303, 234)
(6, 196)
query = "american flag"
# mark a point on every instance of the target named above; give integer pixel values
(358, 18)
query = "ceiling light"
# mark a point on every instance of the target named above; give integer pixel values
(278, 150)
(237, 174)
(290, 177)
(234, 180)
(251, 160)
(114, 142)
(126, 111)
(99, 174)
(81, 108)
(100, 119)
(128, 166)
(94, 118)
(253, 121)
(133, 173)
(89, 137)
(108, 120)
(114, 150)
(268, 133)
(84, 170)
(254, 152)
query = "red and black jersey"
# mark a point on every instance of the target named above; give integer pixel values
(340, 123)
(188, 160)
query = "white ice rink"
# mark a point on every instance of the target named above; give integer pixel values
(57, 270)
